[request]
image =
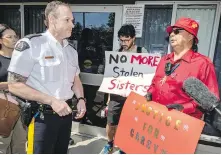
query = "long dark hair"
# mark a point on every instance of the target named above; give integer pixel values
(194, 46)
(3, 27)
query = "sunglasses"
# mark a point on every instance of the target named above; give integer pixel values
(177, 31)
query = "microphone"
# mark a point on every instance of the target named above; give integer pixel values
(201, 94)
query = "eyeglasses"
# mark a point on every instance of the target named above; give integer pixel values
(124, 41)
(177, 31)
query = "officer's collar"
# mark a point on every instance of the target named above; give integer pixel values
(51, 37)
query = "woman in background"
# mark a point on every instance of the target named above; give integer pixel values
(15, 143)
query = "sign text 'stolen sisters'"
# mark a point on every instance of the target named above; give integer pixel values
(126, 72)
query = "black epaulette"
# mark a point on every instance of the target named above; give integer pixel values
(30, 36)
(72, 46)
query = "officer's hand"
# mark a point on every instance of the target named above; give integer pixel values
(81, 109)
(61, 107)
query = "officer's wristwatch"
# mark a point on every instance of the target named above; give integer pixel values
(81, 98)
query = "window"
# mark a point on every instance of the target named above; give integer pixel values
(92, 38)
(10, 15)
(205, 16)
(206, 13)
(156, 19)
(34, 19)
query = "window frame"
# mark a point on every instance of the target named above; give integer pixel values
(174, 11)
(22, 12)
(173, 19)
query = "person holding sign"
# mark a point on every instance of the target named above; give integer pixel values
(126, 36)
(176, 67)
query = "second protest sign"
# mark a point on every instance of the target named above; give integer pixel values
(126, 72)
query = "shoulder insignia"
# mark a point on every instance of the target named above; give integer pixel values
(21, 46)
(30, 36)
(72, 46)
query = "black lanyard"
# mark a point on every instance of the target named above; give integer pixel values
(169, 70)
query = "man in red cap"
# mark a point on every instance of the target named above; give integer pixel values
(184, 61)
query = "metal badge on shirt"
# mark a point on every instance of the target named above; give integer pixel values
(49, 57)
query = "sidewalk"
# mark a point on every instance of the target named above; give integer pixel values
(91, 139)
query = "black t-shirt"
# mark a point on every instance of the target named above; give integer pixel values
(90, 57)
(4, 64)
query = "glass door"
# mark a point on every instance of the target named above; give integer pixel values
(205, 15)
(95, 32)
(156, 19)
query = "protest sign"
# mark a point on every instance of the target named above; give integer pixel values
(149, 127)
(126, 72)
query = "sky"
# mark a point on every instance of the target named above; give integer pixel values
(92, 19)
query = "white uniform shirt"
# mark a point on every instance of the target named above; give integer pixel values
(50, 68)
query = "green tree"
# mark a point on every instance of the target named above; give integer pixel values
(111, 20)
(76, 34)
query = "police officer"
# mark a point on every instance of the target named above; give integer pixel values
(127, 38)
(44, 69)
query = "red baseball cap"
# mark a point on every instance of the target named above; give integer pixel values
(187, 24)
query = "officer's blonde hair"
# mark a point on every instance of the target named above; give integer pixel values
(51, 9)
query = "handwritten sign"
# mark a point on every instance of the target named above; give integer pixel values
(126, 72)
(133, 14)
(149, 127)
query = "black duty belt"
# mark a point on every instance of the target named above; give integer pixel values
(30, 109)
(47, 109)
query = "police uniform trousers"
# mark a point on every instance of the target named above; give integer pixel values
(49, 134)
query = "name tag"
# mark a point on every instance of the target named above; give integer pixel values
(49, 57)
